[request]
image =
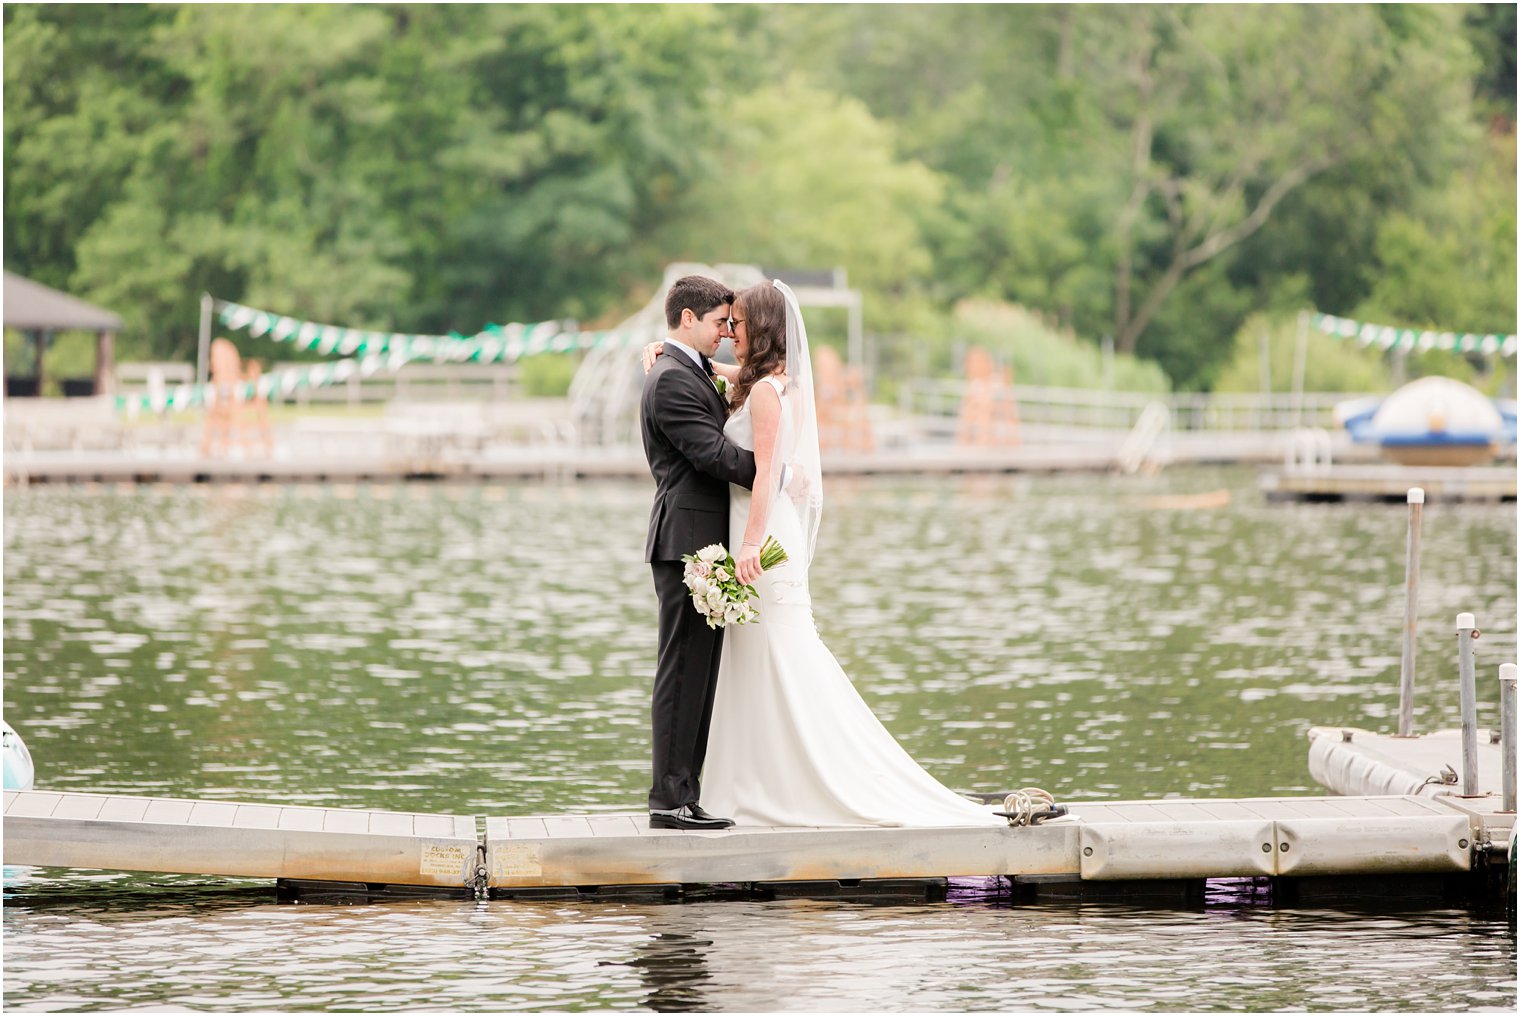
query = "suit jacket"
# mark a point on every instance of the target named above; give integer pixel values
(681, 419)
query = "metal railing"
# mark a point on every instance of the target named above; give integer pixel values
(1121, 411)
(415, 382)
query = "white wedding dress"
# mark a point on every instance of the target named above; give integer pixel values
(791, 742)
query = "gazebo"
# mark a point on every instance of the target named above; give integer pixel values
(38, 311)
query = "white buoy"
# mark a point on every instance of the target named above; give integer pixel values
(19, 771)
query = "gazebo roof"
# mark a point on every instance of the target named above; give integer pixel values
(32, 306)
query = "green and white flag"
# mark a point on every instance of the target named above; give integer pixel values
(492, 344)
(366, 352)
(1407, 339)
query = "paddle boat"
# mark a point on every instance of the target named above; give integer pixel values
(19, 771)
(1435, 421)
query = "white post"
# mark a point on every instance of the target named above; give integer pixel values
(1467, 630)
(1411, 611)
(1507, 731)
(203, 350)
(1299, 360)
(856, 340)
(1264, 362)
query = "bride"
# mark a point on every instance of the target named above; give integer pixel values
(791, 741)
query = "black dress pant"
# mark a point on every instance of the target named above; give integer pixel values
(685, 679)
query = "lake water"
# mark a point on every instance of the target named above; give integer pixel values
(488, 649)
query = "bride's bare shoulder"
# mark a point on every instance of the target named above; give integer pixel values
(765, 398)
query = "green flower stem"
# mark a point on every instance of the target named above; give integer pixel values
(771, 554)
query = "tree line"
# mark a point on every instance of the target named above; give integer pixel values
(1168, 176)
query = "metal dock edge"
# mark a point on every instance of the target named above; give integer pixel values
(241, 840)
(1108, 841)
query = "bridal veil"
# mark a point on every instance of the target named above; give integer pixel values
(805, 483)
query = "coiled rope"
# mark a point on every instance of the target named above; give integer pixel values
(1030, 806)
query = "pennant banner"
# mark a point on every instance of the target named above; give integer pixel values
(1388, 337)
(493, 344)
(279, 384)
(366, 352)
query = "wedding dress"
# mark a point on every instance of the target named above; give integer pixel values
(791, 741)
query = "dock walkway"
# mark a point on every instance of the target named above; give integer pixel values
(1099, 842)
(307, 458)
(1388, 482)
(1356, 762)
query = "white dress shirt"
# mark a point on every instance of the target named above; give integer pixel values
(691, 354)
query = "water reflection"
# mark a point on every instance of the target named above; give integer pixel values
(488, 650)
(674, 967)
(223, 949)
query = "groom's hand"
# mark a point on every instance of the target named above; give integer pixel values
(747, 566)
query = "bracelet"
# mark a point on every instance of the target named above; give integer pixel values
(748, 543)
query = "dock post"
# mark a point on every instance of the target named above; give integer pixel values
(1411, 608)
(1507, 730)
(1467, 630)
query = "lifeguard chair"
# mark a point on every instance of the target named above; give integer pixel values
(844, 419)
(234, 420)
(989, 411)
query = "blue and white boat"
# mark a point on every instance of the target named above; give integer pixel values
(19, 771)
(1435, 421)
(19, 774)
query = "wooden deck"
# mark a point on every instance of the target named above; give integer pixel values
(1391, 483)
(1099, 842)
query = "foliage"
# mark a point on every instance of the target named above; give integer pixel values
(68, 355)
(1154, 173)
(1331, 363)
(809, 180)
(1037, 354)
(546, 376)
(1448, 261)
(1110, 164)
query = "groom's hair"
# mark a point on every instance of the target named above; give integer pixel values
(697, 292)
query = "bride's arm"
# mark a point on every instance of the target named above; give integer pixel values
(765, 413)
(728, 371)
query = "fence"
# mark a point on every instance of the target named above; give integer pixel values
(936, 405)
(415, 382)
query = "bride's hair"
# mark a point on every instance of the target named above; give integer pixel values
(764, 310)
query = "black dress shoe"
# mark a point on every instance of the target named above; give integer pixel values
(683, 818)
(697, 811)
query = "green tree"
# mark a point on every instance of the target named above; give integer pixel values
(1109, 164)
(415, 167)
(1448, 262)
(810, 179)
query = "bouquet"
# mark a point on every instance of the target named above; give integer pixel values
(715, 591)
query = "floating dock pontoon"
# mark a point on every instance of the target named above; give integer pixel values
(1101, 843)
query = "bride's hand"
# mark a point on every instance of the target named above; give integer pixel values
(651, 351)
(747, 567)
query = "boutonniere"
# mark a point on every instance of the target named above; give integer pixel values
(721, 383)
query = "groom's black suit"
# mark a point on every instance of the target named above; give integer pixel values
(681, 418)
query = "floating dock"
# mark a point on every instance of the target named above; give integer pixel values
(1348, 760)
(1098, 843)
(239, 840)
(510, 464)
(1390, 483)
(308, 460)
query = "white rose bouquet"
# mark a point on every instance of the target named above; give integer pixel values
(715, 591)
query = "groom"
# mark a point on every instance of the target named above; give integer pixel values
(681, 418)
